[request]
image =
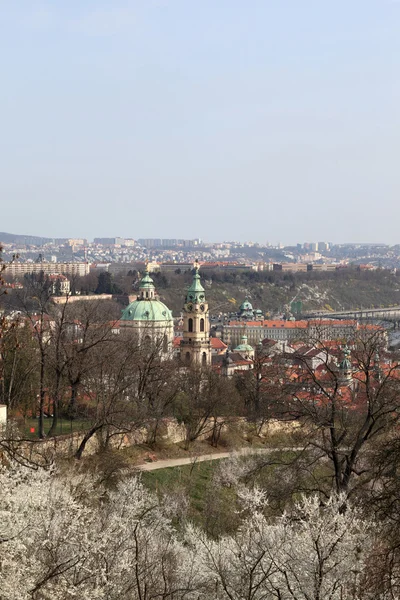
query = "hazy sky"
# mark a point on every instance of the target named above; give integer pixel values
(267, 120)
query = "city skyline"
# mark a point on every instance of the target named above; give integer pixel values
(198, 240)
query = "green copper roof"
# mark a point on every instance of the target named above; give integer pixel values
(244, 346)
(147, 310)
(345, 364)
(246, 305)
(146, 281)
(195, 292)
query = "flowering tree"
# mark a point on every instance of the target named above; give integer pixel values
(66, 536)
(314, 553)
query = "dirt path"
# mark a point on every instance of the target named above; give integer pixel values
(179, 462)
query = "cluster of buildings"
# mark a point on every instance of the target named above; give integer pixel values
(227, 346)
(112, 251)
(236, 345)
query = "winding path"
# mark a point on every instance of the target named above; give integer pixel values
(180, 462)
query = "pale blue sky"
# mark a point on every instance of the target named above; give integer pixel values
(272, 120)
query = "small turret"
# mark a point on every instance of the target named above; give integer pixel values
(377, 366)
(345, 367)
(146, 287)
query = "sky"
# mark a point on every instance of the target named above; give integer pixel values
(263, 120)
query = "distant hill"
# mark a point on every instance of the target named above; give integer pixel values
(272, 291)
(32, 240)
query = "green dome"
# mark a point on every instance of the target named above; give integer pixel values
(244, 346)
(246, 306)
(147, 310)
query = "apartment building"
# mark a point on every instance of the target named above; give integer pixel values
(17, 269)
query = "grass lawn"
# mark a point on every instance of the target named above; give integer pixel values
(63, 428)
(193, 479)
(214, 506)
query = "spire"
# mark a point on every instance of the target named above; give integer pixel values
(377, 365)
(345, 366)
(195, 292)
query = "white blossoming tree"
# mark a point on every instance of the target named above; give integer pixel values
(63, 537)
(316, 553)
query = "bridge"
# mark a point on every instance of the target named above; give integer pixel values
(365, 314)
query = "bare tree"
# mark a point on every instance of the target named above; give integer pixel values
(35, 305)
(89, 326)
(347, 404)
(18, 357)
(111, 404)
(261, 388)
(205, 401)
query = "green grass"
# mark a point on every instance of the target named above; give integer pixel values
(64, 426)
(216, 508)
(193, 479)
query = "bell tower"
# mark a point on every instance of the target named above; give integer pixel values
(345, 368)
(195, 345)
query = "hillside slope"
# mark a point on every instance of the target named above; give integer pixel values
(272, 292)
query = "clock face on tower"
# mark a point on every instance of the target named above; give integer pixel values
(202, 307)
(189, 307)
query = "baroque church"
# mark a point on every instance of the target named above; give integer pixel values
(151, 320)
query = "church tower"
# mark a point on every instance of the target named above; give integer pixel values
(195, 345)
(345, 368)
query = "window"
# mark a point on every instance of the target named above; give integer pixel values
(187, 357)
(190, 325)
(204, 358)
(201, 324)
(165, 344)
(146, 343)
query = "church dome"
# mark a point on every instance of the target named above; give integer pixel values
(147, 307)
(246, 306)
(244, 347)
(147, 310)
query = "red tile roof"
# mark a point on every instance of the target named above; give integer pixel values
(217, 344)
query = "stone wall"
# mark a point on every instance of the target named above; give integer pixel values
(169, 430)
